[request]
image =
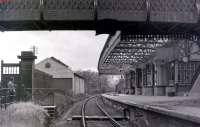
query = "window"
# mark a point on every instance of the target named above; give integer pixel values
(171, 71)
(186, 72)
(149, 74)
(47, 65)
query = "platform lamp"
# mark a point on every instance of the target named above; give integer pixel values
(185, 59)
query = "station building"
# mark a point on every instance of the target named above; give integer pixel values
(172, 70)
(152, 65)
(52, 73)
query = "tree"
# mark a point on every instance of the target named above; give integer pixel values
(94, 83)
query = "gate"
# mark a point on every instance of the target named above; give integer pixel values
(10, 83)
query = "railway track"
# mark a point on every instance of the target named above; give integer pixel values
(83, 113)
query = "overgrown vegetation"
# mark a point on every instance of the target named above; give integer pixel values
(24, 115)
(65, 102)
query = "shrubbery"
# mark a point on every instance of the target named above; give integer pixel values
(24, 115)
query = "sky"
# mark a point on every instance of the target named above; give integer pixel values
(78, 49)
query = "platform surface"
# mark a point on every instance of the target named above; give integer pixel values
(187, 108)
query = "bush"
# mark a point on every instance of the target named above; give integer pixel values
(24, 115)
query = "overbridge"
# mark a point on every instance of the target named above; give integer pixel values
(104, 16)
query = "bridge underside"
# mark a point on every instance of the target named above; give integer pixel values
(104, 16)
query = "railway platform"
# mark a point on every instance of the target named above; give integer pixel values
(159, 111)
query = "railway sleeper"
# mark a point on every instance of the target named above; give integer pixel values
(99, 118)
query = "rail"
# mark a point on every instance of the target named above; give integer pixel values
(83, 116)
(83, 119)
(113, 121)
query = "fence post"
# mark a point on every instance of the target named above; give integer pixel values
(1, 101)
(5, 104)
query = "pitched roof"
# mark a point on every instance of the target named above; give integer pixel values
(79, 75)
(58, 61)
(39, 71)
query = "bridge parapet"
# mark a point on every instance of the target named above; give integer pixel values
(12, 10)
(174, 11)
(68, 9)
(122, 10)
(84, 14)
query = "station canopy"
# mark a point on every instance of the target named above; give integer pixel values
(124, 51)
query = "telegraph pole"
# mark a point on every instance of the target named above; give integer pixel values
(34, 50)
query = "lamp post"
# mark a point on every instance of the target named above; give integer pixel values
(185, 59)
